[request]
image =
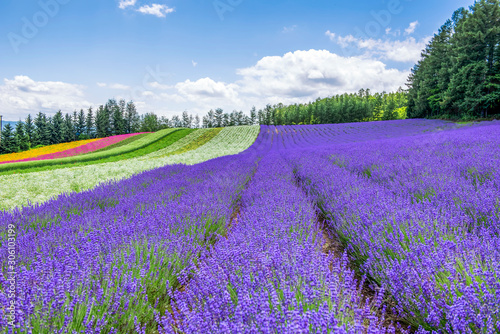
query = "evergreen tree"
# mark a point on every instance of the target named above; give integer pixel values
(56, 128)
(150, 123)
(219, 118)
(39, 131)
(186, 121)
(253, 115)
(9, 144)
(67, 129)
(21, 139)
(102, 122)
(133, 120)
(80, 125)
(459, 73)
(118, 121)
(29, 128)
(89, 123)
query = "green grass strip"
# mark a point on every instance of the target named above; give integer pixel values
(170, 138)
(120, 143)
(198, 142)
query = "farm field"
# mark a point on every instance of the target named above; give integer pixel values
(377, 227)
(39, 186)
(66, 150)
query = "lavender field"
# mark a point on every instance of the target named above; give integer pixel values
(378, 227)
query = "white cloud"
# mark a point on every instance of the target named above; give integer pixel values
(305, 75)
(411, 28)
(407, 50)
(194, 63)
(157, 85)
(126, 3)
(207, 88)
(22, 95)
(394, 33)
(289, 29)
(113, 86)
(156, 10)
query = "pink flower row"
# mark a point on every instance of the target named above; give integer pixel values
(87, 148)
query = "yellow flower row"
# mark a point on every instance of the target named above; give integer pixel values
(36, 152)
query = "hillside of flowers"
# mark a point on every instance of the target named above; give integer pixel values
(382, 227)
(45, 150)
(66, 150)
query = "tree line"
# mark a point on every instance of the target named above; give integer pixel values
(458, 75)
(113, 118)
(116, 118)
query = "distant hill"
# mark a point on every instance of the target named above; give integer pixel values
(12, 123)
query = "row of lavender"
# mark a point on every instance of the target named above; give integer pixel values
(269, 275)
(93, 262)
(420, 216)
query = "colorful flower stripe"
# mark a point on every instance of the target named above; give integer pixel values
(36, 152)
(96, 144)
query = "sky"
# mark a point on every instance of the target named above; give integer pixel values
(174, 55)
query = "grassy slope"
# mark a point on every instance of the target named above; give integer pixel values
(142, 146)
(16, 190)
(121, 143)
(194, 144)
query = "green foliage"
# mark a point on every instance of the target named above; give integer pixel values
(8, 143)
(346, 108)
(459, 73)
(22, 140)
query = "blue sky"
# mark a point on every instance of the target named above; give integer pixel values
(175, 55)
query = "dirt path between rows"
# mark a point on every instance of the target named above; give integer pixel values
(386, 310)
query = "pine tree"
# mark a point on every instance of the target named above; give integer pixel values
(89, 123)
(197, 122)
(133, 119)
(186, 121)
(9, 144)
(29, 128)
(39, 131)
(67, 129)
(80, 125)
(150, 123)
(219, 118)
(253, 115)
(56, 128)
(22, 142)
(101, 122)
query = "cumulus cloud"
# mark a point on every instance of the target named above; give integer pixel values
(207, 88)
(22, 95)
(126, 3)
(406, 51)
(156, 10)
(411, 28)
(305, 75)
